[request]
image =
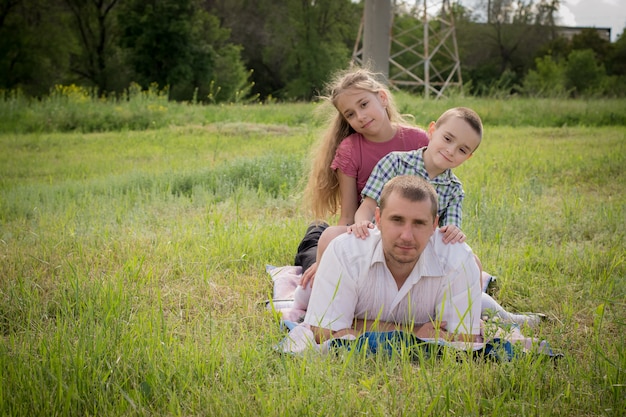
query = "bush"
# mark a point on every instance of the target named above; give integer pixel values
(548, 80)
(582, 73)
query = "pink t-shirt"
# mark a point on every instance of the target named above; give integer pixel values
(356, 156)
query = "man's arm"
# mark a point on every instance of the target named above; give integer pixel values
(460, 306)
(322, 334)
(333, 297)
(428, 330)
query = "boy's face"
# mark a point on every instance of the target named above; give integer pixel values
(452, 143)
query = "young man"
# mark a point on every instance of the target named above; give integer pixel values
(402, 277)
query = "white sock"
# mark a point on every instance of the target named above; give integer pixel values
(488, 303)
(301, 297)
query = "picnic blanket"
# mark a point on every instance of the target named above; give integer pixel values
(501, 342)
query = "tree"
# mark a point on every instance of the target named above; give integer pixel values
(178, 45)
(307, 40)
(616, 63)
(582, 73)
(507, 43)
(548, 80)
(34, 45)
(589, 38)
(93, 20)
(247, 20)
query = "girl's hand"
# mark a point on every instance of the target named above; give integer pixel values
(361, 229)
(309, 276)
(452, 234)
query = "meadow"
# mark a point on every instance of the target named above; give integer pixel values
(134, 239)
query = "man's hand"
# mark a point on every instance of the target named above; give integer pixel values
(309, 275)
(429, 331)
(321, 334)
(452, 234)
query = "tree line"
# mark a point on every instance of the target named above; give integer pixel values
(234, 50)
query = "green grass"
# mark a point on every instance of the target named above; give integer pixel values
(76, 109)
(132, 267)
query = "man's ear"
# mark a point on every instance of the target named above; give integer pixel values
(436, 223)
(377, 215)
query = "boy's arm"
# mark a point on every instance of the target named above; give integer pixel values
(450, 219)
(452, 234)
(453, 213)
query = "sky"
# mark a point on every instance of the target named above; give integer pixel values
(586, 13)
(598, 13)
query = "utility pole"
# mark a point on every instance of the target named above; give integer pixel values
(426, 55)
(376, 35)
(423, 55)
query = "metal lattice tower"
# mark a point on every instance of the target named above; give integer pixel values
(423, 53)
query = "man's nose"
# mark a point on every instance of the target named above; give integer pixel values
(407, 232)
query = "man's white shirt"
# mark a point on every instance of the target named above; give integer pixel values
(353, 282)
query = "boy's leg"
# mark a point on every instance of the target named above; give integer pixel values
(489, 304)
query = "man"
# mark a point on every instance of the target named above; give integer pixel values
(403, 277)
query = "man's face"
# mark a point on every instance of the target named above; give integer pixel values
(405, 227)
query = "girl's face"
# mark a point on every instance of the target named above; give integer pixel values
(364, 111)
(452, 143)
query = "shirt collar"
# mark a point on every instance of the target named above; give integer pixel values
(428, 264)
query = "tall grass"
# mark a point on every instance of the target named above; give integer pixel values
(132, 275)
(77, 109)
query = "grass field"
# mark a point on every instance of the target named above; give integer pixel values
(132, 267)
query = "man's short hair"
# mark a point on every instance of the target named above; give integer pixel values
(411, 187)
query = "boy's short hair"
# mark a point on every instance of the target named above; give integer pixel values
(411, 187)
(470, 116)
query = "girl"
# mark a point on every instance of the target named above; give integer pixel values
(365, 126)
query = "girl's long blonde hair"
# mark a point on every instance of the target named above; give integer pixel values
(322, 192)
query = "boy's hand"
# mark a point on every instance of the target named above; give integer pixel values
(452, 234)
(361, 229)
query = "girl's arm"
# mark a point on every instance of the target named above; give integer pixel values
(363, 218)
(349, 198)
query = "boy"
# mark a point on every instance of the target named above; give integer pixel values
(453, 138)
